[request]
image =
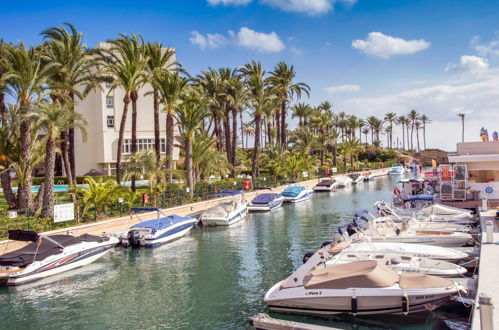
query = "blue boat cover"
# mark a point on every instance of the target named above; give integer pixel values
(264, 198)
(360, 212)
(138, 209)
(285, 182)
(228, 193)
(162, 223)
(292, 191)
(420, 197)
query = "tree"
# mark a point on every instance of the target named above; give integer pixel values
(418, 125)
(412, 116)
(302, 111)
(350, 149)
(424, 120)
(390, 118)
(99, 195)
(249, 131)
(296, 163)
(274, 160)
(53, 118)
(238, 98)
(462, 115)
(282, 82)
(402, 121)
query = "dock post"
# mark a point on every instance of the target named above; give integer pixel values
(486, 312)
(489, 230)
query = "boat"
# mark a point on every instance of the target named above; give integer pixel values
(326, 185)
(227, 212)
(356, 177)
(295, 194)
(157, 231)
(265, 201)
(440, 211)
(343, 181)
(50, 255)
(397, 169)
(358, 288)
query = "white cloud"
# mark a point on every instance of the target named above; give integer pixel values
(469, 64)
(229, 2)
(488, 48)
(259, 41)
(310, 7)
(343, 89)
(296, 51)
(379, 45)
(208, 41)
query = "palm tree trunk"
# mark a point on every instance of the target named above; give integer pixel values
(157, 141)
(227, 133)
(8, 193)
(48, 193)
(217, 131)
(407, 131)
(234, 141)
(254, 167)
(126, 101)
(71, 138)
(283, 123)
(65, 157)
(24, 185)
(462, 134)
(188, 166)
(134, 96)
(3, 109)
(269, 132)
(417, 137)
(412, 136)
(403, 137)
(278, 126)
(242, 128)
(335, 155)
(424, 135)
(169, 145)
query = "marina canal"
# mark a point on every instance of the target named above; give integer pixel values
(214, 278)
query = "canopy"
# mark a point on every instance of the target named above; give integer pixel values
(262, 188)
(46, 248)
(421, 197)
(284, 182)
(292, 191)
(418, 281)
(161, 223)
(354, 176)
(360, 212)
(264, 198)
(326, 183)
(228, 193)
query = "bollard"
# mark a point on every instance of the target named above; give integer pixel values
(489, 229)
(485, 204)
(486, 312)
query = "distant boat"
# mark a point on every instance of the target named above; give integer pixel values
(397, 169)
(343, 181)
(228, 211)
(356, 177)
(156, 231)
(265, 201)
(326, 185)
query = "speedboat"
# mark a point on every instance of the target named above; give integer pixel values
(356, 177)
(296, 194)
(358, 288)
(265, 201)
(227, 212)
(326, 185)
(50, 255)
(343, 181)
(439, 211)
(157, 231)
(397, 169)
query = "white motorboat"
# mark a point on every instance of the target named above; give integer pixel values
(296, 194)
(265, 201)
(439, 211)
(343, 181)
(326, 185)
(397, 169)
(157, 231)
(50, 255)
(228, 212)
(356, 177)
(358, 288)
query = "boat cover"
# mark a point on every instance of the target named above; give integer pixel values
(338, 247)
(264, 198)
(161, 223)
(353, 176)
(421, 197)
(418, 281)
(46, 248)
(438, 209)
(292, 191)
(359, 274)
(326, 183)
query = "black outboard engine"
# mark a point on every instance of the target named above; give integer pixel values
(307, 256)
(134, 238)
(351, 229)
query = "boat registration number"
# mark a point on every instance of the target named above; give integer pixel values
(313, 293)
(424, 297)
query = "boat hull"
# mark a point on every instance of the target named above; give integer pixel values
(265, 207)
(303, 196)
(170, 234)
(231, 219)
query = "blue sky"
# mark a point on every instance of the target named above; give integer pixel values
(365, 56)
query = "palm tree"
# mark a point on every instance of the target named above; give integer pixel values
(249, 131)
(375, 125)
(254, 78)
(101, 195)
(351, 148)
(402, 120)
(462, 115)
(52, 119)
(274, 160)
(77, 74)
(418, 125)
(3, 70)
(412, 116)
(390, 118)
(171, 89)
(302, 111)
(424, 120)
(26, 80)
(303, 140)
(158, 60)
(206, 159)
(238, 98)
(190, 117)
(282, 81)
(365, 131)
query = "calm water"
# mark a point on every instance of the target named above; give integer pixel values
(214, 278)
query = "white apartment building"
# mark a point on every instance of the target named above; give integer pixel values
(103, 108)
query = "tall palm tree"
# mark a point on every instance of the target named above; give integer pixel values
(190, 116)
(254, 78)
(282, 81)
(3, 70)
(390, 118)
(402, 120)
(26, 80)
(77, 74)
(159, 60)
(249, 131)
(52, 119)
(462, 115)
(126, 64)
(418, 125)
(351, 148)
(301, 111)
(171, 89)
(424, 120)
(237, 98)
(303, 140)
(412, 116)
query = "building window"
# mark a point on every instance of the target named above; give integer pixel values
(109, 84)
(110, 121)
(110, 101)
(143, 144)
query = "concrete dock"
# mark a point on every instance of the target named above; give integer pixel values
(488, 283)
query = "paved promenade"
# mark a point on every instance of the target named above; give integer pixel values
(120, 224)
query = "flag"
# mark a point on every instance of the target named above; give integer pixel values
(433, 163)
(396, 191)
(39, 242)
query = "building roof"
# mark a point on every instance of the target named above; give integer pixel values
(473, 158)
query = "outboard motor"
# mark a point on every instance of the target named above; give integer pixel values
(307, 256)
(326, 243)
(134, 238)
(351, 229)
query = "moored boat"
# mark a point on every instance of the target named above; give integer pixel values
(326, 185)
(227, 212)
(265, 201)
(296, 194)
